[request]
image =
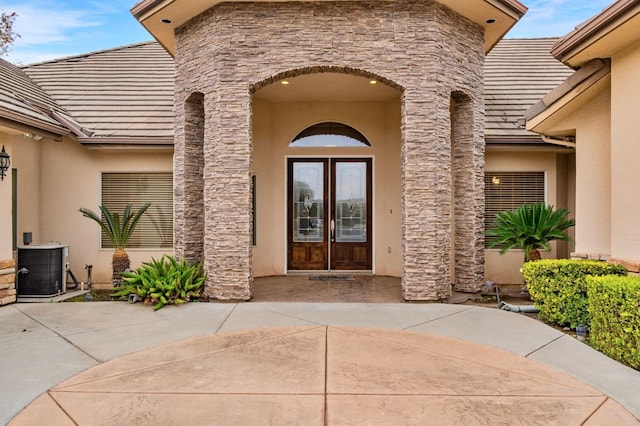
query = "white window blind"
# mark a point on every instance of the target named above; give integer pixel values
(508, 191)
(155, 228)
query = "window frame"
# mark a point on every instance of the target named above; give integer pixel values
(166, 234)
(311, 135)
(488, 181)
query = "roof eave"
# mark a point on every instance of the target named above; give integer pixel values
(567, 92)
(162, 17)
(32, 125)
(502, 139)
(127, 143)
(593, 30)
(539, 146)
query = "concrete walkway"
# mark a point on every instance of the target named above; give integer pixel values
(316, 363)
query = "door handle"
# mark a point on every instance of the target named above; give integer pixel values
(332, 226)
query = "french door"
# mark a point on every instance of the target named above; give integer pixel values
(329, 214)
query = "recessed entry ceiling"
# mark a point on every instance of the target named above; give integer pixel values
(327, 87)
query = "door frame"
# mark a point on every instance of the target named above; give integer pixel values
(373, 208)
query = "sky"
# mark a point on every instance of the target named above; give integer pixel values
(51, 29)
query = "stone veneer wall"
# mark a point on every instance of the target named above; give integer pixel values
(189, 181)
(420, 47)
(7, 282)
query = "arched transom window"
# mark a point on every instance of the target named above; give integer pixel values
(329, 134)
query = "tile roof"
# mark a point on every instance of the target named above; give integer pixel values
(126, 92)
(23, 102)
(518, 73)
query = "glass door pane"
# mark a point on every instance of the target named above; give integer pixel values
(351, 202)
(308, 202)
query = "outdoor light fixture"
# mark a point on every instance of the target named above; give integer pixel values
(33, 136)
(581, 333)
(5, 161)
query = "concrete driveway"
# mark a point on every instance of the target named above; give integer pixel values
(342, 363)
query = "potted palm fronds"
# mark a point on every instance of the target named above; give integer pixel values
(118, 230)
(530, 228)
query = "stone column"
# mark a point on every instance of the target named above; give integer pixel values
(425, 194)
(227, 193)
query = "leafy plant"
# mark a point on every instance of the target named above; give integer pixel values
(615, 317)
(119, 232)
(163, 282)
(7, 34)
(530, 228)
(558, 288)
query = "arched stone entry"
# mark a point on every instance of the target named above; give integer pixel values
(227, 57)
(370, 113)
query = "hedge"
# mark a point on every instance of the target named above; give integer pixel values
(614, 305)
(558, 288)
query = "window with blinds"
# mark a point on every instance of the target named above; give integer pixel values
(155, 228)
(508, 191)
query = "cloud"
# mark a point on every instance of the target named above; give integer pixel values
(38, 24)
(553, 18)
(50, 30)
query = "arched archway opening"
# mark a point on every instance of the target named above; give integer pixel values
(189, 193)
(467, 207)
(341, 128)
(329, 135)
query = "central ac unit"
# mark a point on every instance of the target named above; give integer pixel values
(46, 272)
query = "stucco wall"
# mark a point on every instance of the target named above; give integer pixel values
(421, 47)
(593, 176)
(27, 158)
(505, 269)
(590, 116)
(5, 206)
(625, 152)
(56, 179)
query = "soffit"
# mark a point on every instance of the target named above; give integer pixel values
(327, 87)
(602, 36)
(162, 17)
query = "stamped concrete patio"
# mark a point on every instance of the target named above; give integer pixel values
(301, 363)
(317, 375)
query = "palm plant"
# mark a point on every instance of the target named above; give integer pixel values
(118, 231)
(530, 228)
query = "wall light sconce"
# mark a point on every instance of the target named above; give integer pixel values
(33, 136)
(495, 180)
(5, 162)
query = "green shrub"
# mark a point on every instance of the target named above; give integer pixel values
(163, 282)
(530, 228)
(614, 305)
(558, 288)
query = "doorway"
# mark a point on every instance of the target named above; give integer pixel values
(329, 214)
